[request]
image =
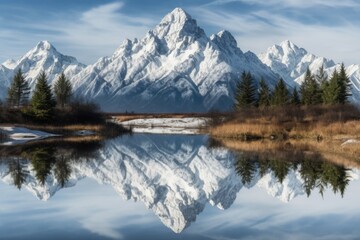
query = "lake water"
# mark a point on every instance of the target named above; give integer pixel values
(171, 187)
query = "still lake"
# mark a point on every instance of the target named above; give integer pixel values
(148, 186)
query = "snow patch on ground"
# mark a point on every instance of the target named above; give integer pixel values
(167, 125)
(19, 135)
(350, 141)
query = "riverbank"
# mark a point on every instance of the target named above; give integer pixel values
(315, 123)
(23, 133)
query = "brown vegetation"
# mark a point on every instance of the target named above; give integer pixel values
(320, 122)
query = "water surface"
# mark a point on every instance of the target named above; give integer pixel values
(172, 187)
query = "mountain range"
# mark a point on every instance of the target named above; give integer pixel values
(173, 175)
(175, 67)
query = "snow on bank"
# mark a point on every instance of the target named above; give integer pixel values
(350, 141)
(19, 135)
(167, 125)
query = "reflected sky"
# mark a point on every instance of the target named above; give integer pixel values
(93, 209)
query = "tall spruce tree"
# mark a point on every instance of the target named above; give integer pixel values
(19, 90)
(344, 85)
(331, 89)
(280, 96)
(42, 102)
(245, 95)
(310, 90)
(264, 94)
(321, 76)
(63, 91)
(295, 98)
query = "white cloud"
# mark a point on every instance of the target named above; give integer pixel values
(292, 3)
(258, 30)
(87, 35)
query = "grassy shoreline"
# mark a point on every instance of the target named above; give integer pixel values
(316, 123)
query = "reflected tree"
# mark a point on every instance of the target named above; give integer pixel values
(316, 173)
(18, 171)
(42, 160)
(280, 168)
(62, 169)
(246, 168)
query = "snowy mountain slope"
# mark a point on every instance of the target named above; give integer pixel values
(10, 64)
(43, 56)
(5, 75)
(291, 63)
(174, 176)
(175, 67)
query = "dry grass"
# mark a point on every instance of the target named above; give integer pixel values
(330, 122)
(238, 130)
(332, 131)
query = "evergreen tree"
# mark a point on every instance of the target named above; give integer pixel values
(264, 94)
(331, 90)
(63, 90)
(344, 85)
(281, 94)
(321, 76)
(310, 90)
(42, 102)
(18, 92)
(245, 95)
(295, 99)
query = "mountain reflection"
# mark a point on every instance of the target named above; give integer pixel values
(175, 176)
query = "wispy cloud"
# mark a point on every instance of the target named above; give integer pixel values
(292, 3)
(329, 28)
(273, 21)
(90, 34)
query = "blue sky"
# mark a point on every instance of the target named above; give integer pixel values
(90, 29)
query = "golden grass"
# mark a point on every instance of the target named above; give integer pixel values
(60, 129)
(75, 139)
(331, 131)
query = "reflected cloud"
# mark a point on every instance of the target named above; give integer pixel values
(174, 176)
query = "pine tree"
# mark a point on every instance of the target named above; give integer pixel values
(331, 90)
(245, 95)
(344, 85)
(63, 90)
(321, 76)
(42, 102)
(281, 94)
(295, 99)
(264, 94)
(18, 92)
(310, 90)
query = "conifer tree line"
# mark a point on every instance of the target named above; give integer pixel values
(44, 100)
(315, 89)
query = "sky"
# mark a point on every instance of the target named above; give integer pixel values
(90, 29)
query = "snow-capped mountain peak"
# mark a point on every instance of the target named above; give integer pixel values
(291, 63)
(226, 41)
(177, 25)
(45, 46)
(43, 57)
(9, 64)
